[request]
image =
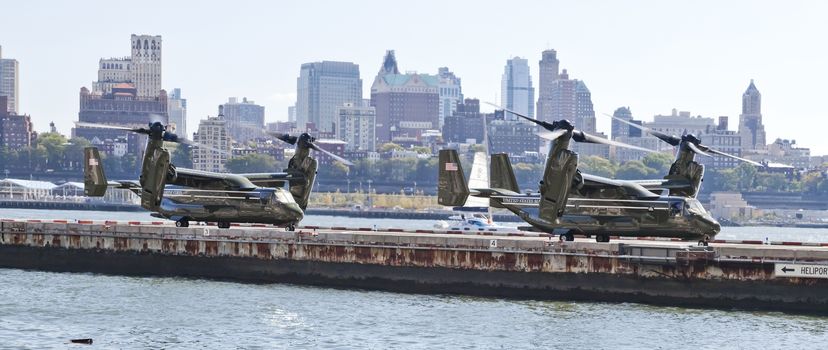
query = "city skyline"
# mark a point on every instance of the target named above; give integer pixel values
(700, 58)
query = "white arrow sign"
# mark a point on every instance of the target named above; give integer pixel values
(801, 270)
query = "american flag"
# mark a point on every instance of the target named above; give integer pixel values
(451, 166)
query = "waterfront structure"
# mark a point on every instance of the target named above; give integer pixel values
(548, 73)
(406, 104)
(120, 107)
(728, 275)
(731, 206)
(16, 131)
(177, 112)
(356, 126)
(321, 88)
(142, 68)
(245, 119)
(750, 121)
(451, 93)
(10, 82)
(212, 132)
(517, 92)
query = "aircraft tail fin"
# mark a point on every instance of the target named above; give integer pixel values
(452, 189)
(94, 180)
(502, 176)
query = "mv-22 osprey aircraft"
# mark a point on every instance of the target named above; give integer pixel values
(573, 202)
(209, 196)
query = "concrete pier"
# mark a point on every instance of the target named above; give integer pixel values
(728, 275)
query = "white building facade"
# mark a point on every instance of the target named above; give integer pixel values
(357, 127)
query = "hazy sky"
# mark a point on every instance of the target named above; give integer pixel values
(652, 56)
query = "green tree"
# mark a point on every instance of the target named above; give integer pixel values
(50, 146)
(661, 162)
(747, 176)
(251, 163)
(596, 165)
(477, 148)
(182, 156)
(634, 170)
(73, 153)
(388, 147)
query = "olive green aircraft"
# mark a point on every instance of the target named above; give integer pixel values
(685, 175)
(209, 196)
(571, 202)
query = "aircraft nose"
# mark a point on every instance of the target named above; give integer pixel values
(294, 211)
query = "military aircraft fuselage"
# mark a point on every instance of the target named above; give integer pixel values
(666, 216)
(263, 205)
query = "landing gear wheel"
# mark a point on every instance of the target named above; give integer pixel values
(223, 225)
(569, 236)
(183, 222)
(602, 238)
(704, 241)
(290, 227)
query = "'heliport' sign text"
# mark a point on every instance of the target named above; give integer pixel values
(800, 270)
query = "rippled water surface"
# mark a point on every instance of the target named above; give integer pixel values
(41, 309)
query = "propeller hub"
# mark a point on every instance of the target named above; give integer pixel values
(691, 138)
(564, 124)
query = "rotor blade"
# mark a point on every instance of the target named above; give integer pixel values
(187, 142)
(283, 137)
(710, 150)
(672, 140)
(696, 150)
(105, 126)
(551, 135)
(334, 156)
(581, 136)
(544, 124)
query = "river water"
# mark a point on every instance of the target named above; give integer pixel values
(46, 310)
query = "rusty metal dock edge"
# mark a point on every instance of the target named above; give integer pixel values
(512, 267)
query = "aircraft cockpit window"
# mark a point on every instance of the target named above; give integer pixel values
(676, 208)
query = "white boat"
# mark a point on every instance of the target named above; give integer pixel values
(471, 223)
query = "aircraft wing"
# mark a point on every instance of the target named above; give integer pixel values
(270, 179)
(663, 184)
(210, 181)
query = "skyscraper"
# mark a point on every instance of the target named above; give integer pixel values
(517, 92)
(549, 71)
(619, 129)
(407, 104)
(177, 111)
(142, 69)
(451, 93)
(245, 119)
(750, 121)
(146, 64)
(321, 88)
(9, 82)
